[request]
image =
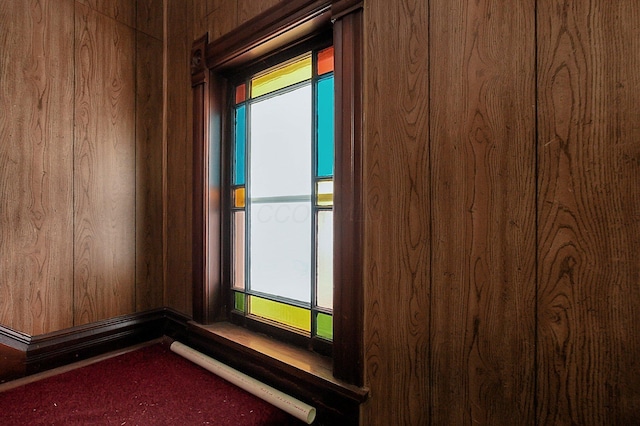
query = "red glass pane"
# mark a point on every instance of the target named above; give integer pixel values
(240, 93)
(325, 60)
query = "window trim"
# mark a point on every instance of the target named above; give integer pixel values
(284, 25)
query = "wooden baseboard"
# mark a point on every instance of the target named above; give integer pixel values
(33, 354)
(22, 355)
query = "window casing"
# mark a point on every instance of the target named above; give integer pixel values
(279, 32)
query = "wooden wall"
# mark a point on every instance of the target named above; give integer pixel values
(80, 161)
(502, 163)
(502, 228)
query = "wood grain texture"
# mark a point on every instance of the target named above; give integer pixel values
(219, 21)
(178, 290)
(483, 198)
(149, 174)
(150, 17)
(589, 216)
(104, 168)
(396, 229)
(123, 11)
(248, 9)
(36, 154)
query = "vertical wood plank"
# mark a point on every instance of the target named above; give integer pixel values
(483, 162)
(219, 21)
(589, 216)
(248, 9)
(396, 229)
(149, 17)
(104, 168)
(36, 142)
(149, 150)
(178, 291)
(123, 11)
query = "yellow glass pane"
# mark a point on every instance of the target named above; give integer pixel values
(325, 193)
(291, 316)
(238, 197)
(280, 77)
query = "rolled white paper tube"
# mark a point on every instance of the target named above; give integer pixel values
(285, 402)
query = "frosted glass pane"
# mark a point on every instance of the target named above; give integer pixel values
(238, 249)
(281, 77)
(324, 254)
(280, 249)
(281, 145)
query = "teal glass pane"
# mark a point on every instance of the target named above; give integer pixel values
(325, 111)
(239, 148)
(324, 326)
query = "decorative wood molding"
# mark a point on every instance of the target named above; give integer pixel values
(62, 347)
(14, 339)
(348, 341)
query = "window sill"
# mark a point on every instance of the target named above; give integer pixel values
(298, 372)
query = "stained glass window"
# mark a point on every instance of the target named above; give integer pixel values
(282, 195)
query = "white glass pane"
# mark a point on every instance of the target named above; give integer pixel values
(324, 253)
(281, 145)
(280, 249)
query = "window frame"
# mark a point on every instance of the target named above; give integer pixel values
(286, 26)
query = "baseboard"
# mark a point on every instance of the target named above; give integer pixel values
(51, 350)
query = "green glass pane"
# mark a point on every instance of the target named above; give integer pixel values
(324, 326)
(325, 108)
(291, 316)
(239, 148)
(281, 77)
(239, 301)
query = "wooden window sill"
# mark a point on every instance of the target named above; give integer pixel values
(303, 374)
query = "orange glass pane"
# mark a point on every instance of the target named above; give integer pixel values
(238, 197)
(325, 60)
(241, 93)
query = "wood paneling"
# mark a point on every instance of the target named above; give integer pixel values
(589, 221)
(123, 11)
(396, 229)
(104, 168)
(149, 158)
(248, 9)
(149, 18)
(36, 155)
(178, 291)
(222, 20)
(483, 204)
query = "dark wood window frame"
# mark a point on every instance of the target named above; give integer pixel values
(283, 26)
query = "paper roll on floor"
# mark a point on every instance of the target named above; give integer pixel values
(285, 402)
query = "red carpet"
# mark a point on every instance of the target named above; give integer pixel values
(150, 386)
